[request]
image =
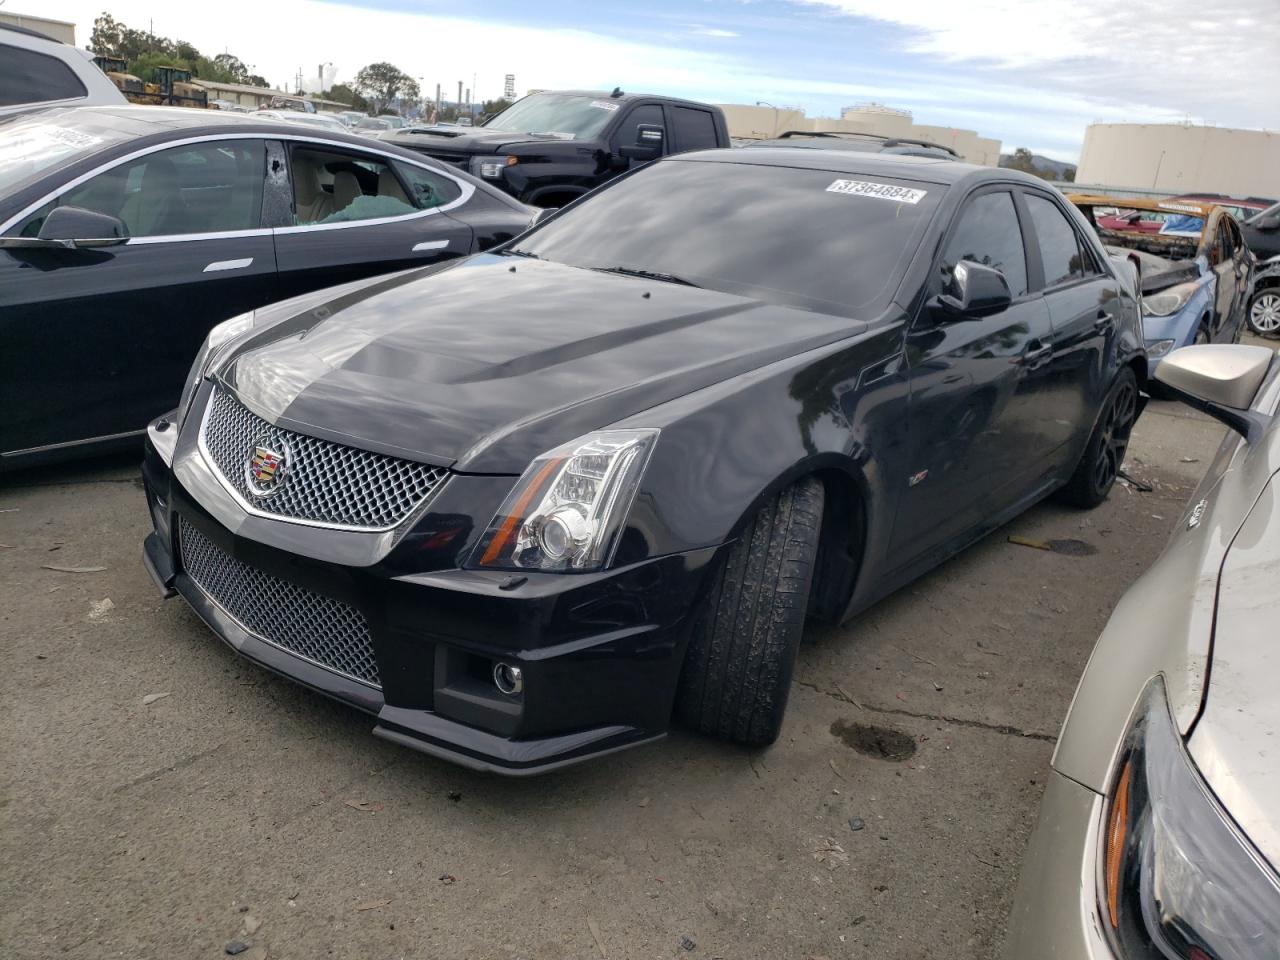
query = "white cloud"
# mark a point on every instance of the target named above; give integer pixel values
(1182, 55)
(713, 32)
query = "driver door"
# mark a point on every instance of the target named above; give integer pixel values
(97, 342)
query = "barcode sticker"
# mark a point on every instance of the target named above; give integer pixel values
(883, 191)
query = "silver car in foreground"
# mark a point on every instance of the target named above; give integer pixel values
(1159, 833)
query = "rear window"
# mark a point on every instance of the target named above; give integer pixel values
(30, 77)
(831, 242)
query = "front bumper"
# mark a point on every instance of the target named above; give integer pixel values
(1055, 912)
(600, 653)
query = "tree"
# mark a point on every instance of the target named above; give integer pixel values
(382, 83)
(1022, 160)
(344, 94)
(232, 66)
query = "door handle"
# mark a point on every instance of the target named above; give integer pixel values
(1035, 358)
(219, 265)
(429, 245)
(1104, 321)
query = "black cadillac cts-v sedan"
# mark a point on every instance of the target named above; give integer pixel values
(526, 507)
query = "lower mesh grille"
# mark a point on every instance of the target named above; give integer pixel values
(325, 631)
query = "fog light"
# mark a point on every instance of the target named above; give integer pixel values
(508, 679)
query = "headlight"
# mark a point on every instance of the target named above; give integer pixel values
(215, 341)
(1169, 301)
(1179, 881)
(567, 511)
(491, 167)
(1158, 348)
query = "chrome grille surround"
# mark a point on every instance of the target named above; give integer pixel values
(326, 484)
(319, 629)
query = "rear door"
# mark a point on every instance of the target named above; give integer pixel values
(1084, 307)
(98, 342)
(351, 214)
(692, 129)
(977, 437)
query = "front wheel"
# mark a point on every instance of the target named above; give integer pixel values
(737, 671)
(1264, 313)
(1103, 455)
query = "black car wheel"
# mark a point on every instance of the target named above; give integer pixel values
(737, 672)
(1104, 454)
(1264, 313)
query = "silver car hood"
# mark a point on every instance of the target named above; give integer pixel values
(1236, 741)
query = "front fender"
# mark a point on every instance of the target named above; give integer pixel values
(726, 449)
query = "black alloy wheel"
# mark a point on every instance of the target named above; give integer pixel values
(1103, 456)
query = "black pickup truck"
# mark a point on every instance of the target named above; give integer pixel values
(549, 148)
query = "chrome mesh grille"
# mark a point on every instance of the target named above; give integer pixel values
(325, 631)
(324, 482)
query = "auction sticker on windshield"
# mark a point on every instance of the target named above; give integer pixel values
(604, 105)
(885, 191)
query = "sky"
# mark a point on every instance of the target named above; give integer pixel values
(1030, 73)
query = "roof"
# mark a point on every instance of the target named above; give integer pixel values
(624, 97)
(903, 166)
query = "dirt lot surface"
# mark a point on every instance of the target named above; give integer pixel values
(163, 798)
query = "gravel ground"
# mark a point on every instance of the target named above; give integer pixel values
(162, 798)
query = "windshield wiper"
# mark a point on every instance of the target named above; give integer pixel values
(521, 253)
(647, 275)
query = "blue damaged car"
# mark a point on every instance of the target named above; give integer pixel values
(1193, 265)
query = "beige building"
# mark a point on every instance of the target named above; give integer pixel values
(763, 122)
(255, 97)
(1174, 158)
(55, 29)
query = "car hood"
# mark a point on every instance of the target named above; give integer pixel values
(493, 360)
(470, 140)
(1236, 742)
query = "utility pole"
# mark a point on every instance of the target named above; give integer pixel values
(469, 110)
(458, 113)
(437, 103)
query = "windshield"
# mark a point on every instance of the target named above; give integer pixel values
(33, 146)
(371, 123)
(831, 242)
(569, 116)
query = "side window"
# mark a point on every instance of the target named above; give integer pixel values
(333, 187)
(693, 129)
(649, 113)
(1059, 246)
(200, 188)
(1228, 242)
(30, 77)
(427, 188)
(988, 233)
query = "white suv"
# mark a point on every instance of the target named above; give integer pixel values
(36, 71)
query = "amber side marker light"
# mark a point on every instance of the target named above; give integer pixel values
(1117, 832)
(506, 535)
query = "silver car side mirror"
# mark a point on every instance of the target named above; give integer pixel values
(1222, 380)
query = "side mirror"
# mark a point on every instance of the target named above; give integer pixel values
(73, 228)
(1268, 223)
(976, 291)
(542, 214)
(1221, 380)
(648, 145)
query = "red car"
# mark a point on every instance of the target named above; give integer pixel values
(1240, 208)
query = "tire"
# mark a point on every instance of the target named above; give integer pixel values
(1263, 315)
(1103, 455)
(741, 655)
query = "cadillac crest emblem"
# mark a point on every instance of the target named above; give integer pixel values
(265, 469)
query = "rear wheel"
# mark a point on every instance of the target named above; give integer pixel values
(737, 671)
(1104, 454)
(1264, 312)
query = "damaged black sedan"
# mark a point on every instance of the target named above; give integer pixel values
(527, 507)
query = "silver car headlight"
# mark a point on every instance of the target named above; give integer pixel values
(490, 168)
(567, 511)
(218, 337)
(1169, 301)
(1179, 880)
(1158, 348)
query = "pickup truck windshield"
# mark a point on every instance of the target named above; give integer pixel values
(556, 114)
(832, 242)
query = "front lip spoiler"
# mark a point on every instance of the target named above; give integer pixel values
(421, 730)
